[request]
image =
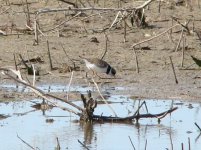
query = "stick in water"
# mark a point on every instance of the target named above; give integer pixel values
(176, 81)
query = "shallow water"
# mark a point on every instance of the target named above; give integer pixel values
(30, 125)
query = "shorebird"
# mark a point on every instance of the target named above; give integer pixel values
(99, 66)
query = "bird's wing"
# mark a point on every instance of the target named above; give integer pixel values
(99, 62)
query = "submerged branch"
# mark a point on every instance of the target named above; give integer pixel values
(130, 118)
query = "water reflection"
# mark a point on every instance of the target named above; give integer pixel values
(31, 125)
(89, 135)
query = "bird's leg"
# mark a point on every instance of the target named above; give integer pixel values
(87, 78)
(95, 74)
(98, 76)
(86, 75)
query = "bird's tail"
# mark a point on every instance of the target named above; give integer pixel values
(197, 61)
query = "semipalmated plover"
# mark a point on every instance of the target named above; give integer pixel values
(99, 66)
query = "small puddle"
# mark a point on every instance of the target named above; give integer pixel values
(55, 88)
(41, 128)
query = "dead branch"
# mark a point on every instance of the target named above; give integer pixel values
(49, 56)
(130, 118)
(74, 66)
(185, 26)
(180, 38)
(106, 45)
(131, 142)
(103, 97)
(63, 22)
(183, 48)
(35, 31)
(138, 18)
(83, 144)
(3, 116)
(154, 36)
(47, 10)
(30, 69)
(69, 84)
(70, 3)
(136, 60)
(58, 147)
(198, 126)
(40, 92)
(26, 143)
(172, 65)
(89, 104)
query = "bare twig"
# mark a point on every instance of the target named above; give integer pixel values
(136, 60)
(49, 55)
(23, 61)
(159, 118)
(182, 146)
(34, 74)
(15, 62)
(63, 22)
(28, 14)
(83, 144)
(115, 20)
(145, 147)
(181, 36)
(125, 30)
(68, 56)
(159, 6)
(106, 46)
(35, 31)
(176, 81)
(58, 144)
(70, 3)
(154, 36)
(130, 118)
(131, 142)
(183, 49)
(82, 3)
(103, 97)
(47, 10)
(189, 144)
(185, 26)
(26, 143)
(197, 126)
(69, 84)
(40, 92)
(5, 10)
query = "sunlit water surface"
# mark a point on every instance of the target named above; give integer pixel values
(31, 125)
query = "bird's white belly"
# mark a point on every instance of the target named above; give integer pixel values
(97, 69)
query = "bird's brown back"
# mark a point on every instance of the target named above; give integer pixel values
(98, 62)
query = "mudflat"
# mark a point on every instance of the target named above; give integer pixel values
(91, 33)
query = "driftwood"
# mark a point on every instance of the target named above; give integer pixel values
(86, 113)
(91, 104)
(133, 117)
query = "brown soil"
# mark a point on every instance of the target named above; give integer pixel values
(155, 78)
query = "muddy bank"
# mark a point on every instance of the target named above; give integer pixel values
(155, 78)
